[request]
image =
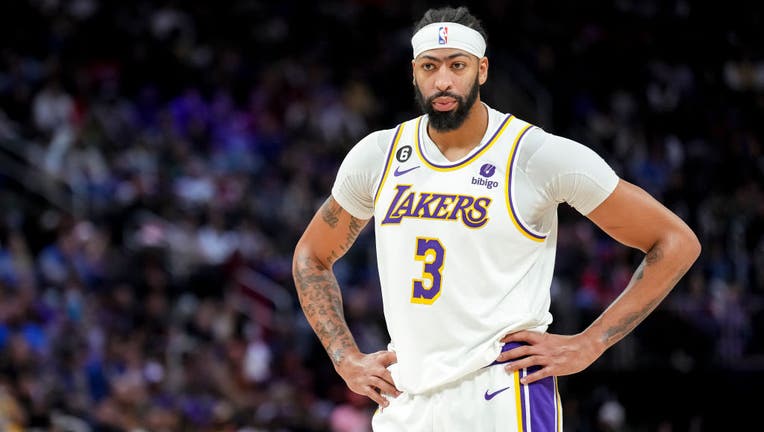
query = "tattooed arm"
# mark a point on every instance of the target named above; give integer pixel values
(327, 238)
(634, 218)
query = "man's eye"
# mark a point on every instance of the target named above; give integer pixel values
(458, 66)
(428, 66)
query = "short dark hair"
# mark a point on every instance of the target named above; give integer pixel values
(460, 15)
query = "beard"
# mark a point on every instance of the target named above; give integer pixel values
(444, 121)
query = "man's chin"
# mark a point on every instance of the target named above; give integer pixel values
(444, 121)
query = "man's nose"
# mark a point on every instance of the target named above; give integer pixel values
(443, 79)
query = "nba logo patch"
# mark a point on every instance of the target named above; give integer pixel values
(443, 35)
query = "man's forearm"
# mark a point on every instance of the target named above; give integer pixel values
(321, 301)
(663, 266)
(330, 234)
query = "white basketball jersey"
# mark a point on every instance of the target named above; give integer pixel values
(457, 265)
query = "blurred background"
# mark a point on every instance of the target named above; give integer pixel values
(160, 159)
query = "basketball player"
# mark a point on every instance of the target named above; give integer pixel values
(464, 204)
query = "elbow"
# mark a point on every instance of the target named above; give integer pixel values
(295, 260)
(305, 258)
(302, 273)
(299, 257)
(696, 248)
(680, 244)
(689, 245)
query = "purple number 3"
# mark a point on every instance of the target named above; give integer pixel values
(432, 253)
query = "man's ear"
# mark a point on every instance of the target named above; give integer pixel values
(483, 70)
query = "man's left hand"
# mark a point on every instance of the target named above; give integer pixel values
(556, 355)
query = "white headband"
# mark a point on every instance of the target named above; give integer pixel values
(448, 35)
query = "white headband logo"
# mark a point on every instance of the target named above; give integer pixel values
(443, 35)
(448, 35)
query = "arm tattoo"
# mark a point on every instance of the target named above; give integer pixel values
(330, 212)
(654, 255)
(628, 323)
(321, 302)
(319, 293)
(354, 228)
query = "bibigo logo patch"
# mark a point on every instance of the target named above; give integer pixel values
(486, 171)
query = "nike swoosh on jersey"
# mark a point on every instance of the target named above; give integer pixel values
(398, 172)
(489, 396)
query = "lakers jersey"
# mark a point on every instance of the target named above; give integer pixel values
(459, 266)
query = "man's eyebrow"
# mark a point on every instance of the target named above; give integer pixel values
(452, 56)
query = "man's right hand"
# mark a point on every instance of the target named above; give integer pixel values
(367, 374)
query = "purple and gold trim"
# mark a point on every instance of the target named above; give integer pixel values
(519, 403)
(513, 215)
(477, 154)
(558, 407)
(388, 160)
(538, 404)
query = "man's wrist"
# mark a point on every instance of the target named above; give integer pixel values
(341, 350)
(594, 343)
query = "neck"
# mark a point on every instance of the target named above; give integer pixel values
(454, 144)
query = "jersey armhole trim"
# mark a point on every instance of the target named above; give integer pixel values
(388, 160)
(513, 213)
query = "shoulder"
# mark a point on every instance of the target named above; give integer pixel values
(554, 154)
(375, 146)
(375, 143)
(567, 170)
(360, 172)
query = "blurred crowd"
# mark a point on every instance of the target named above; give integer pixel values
(172, 152)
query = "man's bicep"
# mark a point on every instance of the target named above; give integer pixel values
(331, 233)
(633, 217)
